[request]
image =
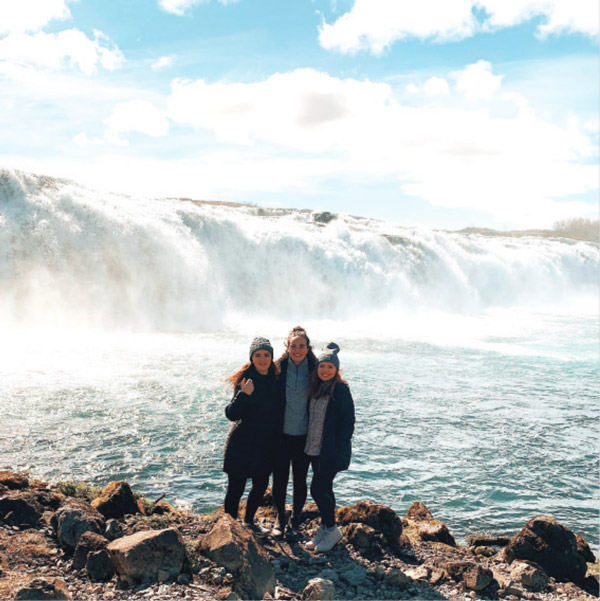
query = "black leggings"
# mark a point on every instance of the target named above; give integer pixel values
(321, 490)
(291, 452)
(235, 490)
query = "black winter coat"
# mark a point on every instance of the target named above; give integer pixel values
(258, 421)
(336, 446)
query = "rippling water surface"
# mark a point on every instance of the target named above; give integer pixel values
(488, 433)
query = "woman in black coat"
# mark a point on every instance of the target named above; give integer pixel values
(329, 440)
(256, 411)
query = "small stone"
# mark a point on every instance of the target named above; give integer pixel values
(319, 589)
(184, 579)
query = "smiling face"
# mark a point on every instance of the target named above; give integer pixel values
(261, 360)
(326, 371)
(297, 349)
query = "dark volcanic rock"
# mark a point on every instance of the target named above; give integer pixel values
(551, 545)
(20, 508)
(88, 543)
(378, 517)
(584, 550)
(234, 547)
(426, 526)
(149, 555)
(71, 521)
(116, 501)
(483, 540)
(99, 566)
(43, 589)
(13, 481)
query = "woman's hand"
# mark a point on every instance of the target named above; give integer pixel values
(247, 386)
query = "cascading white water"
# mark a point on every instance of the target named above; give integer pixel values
(71, 256)
(473, 361)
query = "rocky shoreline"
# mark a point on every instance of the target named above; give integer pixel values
(69, 541)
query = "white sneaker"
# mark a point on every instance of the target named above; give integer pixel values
(331, 537)
(310, 545)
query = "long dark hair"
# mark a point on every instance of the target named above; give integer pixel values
(236, 377)
(319, 389)
(297, 331)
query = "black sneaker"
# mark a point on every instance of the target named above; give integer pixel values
(258, 530)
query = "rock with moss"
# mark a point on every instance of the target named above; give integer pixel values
(116, 501)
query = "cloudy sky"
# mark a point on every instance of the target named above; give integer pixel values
(443, 113)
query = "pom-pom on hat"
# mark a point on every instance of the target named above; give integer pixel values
(330, 354)
(260, 344)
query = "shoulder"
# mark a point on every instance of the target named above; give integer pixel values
(342, 391)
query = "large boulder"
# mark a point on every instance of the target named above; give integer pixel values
(71, 521)
(43, 589)
(116, 500)
(380, 518)
(13, 481)
(20, 508)
(474, 576)
(552, 546)
(529, 575)
(422, 523)
(99, 566)
(234, 547)
(148, 556)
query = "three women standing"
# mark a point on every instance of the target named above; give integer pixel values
(307, 418)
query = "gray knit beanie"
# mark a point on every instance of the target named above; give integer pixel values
(260, 344)
(330, 354)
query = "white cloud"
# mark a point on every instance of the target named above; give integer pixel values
(436, 86)
(374, 25)
(56, 51)
(30, 15)
(448, 154)
(136, 116)
(477, 82)
(162, 63)
(179, 7)
(562, 16)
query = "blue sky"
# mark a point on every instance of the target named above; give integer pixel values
(439, 113)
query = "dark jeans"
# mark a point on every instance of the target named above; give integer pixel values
(291, 452)
(235, 490)
(321, 490)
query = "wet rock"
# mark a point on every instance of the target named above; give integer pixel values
(99, 566)
(13, 481)
(231, 545)
(420, 520)
(71, 521)
(473, 575)
(20, 508)
(529, 575)
(584, 549)
(324, 217)
(319, 589)
(366, 540)
(140, 556)
(116, 501)
(380, 518)
(88, 543)
(552, 546)
(483, 540)
(43, 589)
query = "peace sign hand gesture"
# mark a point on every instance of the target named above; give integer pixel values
(247, 386)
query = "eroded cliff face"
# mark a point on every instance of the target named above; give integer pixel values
(381, 556)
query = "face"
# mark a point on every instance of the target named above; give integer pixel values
(326, 371)
(261, 361)
(297, 349)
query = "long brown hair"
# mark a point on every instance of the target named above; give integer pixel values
(236, 377)
(319, 389)
(297, 331)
